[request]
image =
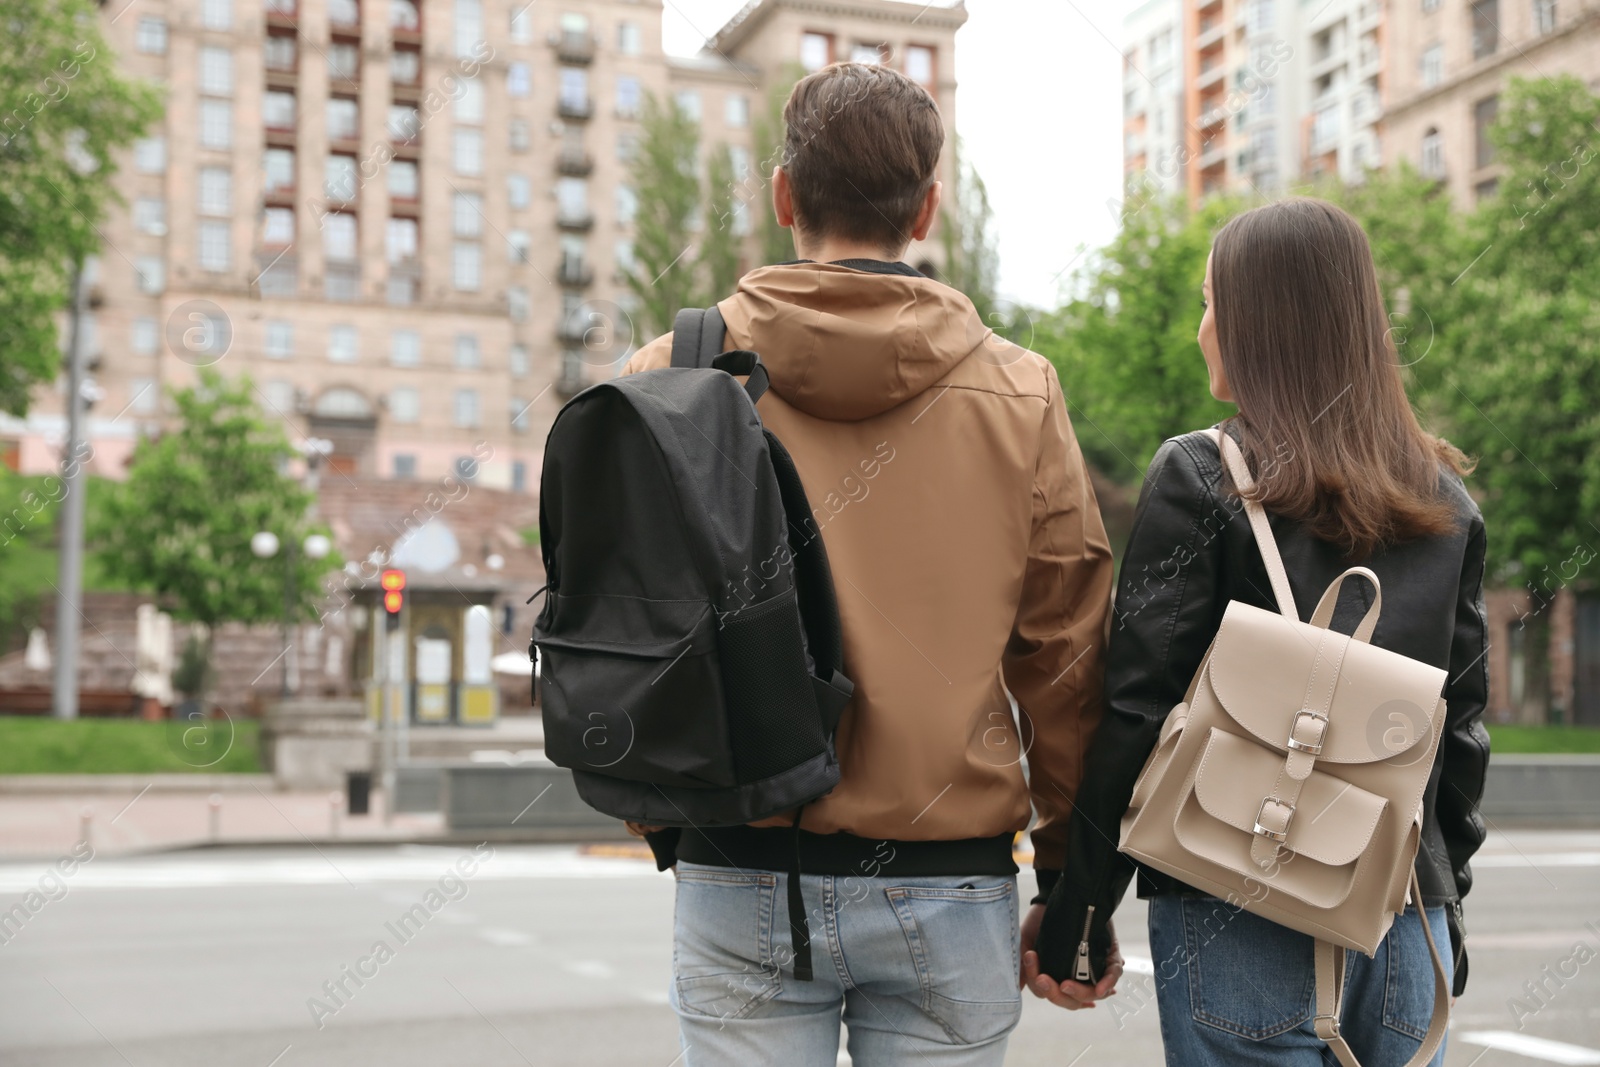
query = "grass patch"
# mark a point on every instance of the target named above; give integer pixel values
(120, 746)
(1562, 739)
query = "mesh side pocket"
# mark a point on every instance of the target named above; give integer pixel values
(773, 722)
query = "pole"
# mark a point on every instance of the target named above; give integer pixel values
(387, 710)
(69, 577)
(289, 651)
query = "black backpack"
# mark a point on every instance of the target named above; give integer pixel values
(690, 637)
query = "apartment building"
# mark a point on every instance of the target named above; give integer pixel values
(1451, 59)
(408, 221)
(1268, 92)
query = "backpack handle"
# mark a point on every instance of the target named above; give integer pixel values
(1323, 615)
(744, 363)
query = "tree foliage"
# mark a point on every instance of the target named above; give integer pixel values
(685, 249)
(64, 112)
(966, 234)
(180, 526)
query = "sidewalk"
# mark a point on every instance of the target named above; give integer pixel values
(145, 819)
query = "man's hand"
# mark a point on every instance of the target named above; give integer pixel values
(1069, 995)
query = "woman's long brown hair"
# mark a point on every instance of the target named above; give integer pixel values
(1306, 347)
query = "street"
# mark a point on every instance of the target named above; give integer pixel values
(548, 955)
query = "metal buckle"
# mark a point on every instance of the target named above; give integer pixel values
(1332, 1029)
(1274, 835)
(1301, 746)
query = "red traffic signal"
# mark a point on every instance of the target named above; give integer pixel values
(394, 591)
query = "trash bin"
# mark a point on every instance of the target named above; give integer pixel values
(358, 791)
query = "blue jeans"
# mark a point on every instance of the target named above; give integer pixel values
(920, 970)
(1237, 990)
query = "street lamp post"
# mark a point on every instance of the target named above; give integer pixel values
(265, 544)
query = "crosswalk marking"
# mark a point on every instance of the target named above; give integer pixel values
(1537, 1048)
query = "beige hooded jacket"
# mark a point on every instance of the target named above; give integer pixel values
(965, 542)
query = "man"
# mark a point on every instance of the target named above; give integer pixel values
(969, 559)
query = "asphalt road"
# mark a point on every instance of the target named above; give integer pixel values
(543, 956)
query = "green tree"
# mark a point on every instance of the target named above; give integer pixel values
(767, 131)
(720, 242)
(64, 112)
(1125, 349)
(667, 191)
(180, 525)
(971, 247)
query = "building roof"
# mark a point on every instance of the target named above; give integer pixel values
(944, 14)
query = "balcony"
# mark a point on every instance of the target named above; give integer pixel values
(574, 272)
(572, 47)
(576, 221)
(574, 163)
(1212, 30)
(573, 328)
(1212, 72)
(575, 109)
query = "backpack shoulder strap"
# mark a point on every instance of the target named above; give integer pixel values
(697, 337)
(819, 606)
(1233, 459)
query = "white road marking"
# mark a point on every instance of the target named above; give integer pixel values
(589, 969)
(1536, 859)
(1537, 1048)
(507, 938)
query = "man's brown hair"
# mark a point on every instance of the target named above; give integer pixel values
(861, 148)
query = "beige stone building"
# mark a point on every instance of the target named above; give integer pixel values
(1449, 60)
(408, 220)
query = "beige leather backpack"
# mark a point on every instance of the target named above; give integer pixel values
(1289, 782)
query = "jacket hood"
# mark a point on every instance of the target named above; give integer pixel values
(845, 344)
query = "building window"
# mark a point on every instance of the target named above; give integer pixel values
(572, 198)
(816, 50)
(629, 95)
(279, 52)
(518, 191)
(214, 246)
(344, 12)
(344, 63)
(467, 215)
(469, 105)
(152, 275)
(1485, 28)
(1483, 115)
(404, 123)
(517, 137)
(405, 465)
(343, 344)
(279, 277)
(146, 335)
(340, 178)
(574, 87)
(629, 39)
(280, 339)
(870, 54)
(739, 161)
(151, 37)
(466, 266)
(627, 205)
(216, 191)
(521, 24)
(277, 110)
(1432, 65)
(402, 179)
(518, 361)
(404, 404)
(278, 168)
(277, 227)
(339, 236)
(467, 152)
(344, 119)
(627, 146)
(466, 408)
(1432, 154)
(1544, 16)
(403, 15)
(689, 103)
(216, 71)
(468, 355)
(622, 254)
(278, 395)
(518, 303)
(405, 66)
(216, 14)
(150, 215)
(150, 155)
(736, 110)
(405, 348)
(469, 25)
(143, 395)
(519, 484)
(919, 64)
(1429, 6)
(216, 124)
(518, 242)
(519, 82)
(400, 240)
(519, 414)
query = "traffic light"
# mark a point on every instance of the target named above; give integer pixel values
(394, 596)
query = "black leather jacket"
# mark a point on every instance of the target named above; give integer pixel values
(1190, 553)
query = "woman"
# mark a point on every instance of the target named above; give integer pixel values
(1295, 334)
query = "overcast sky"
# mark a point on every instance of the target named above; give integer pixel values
(1039, 108)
